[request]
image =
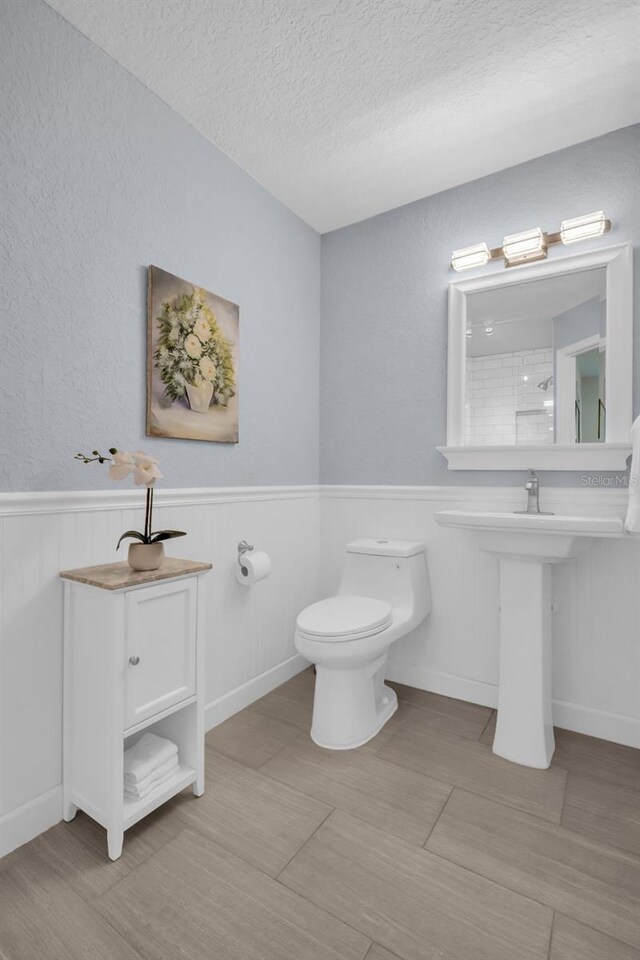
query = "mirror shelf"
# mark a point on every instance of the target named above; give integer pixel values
(550, 385)
(584, 456)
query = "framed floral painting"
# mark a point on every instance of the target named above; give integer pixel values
(192, 361)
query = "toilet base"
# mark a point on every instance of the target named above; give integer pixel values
(350, 706)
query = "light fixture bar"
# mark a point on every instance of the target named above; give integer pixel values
(531, 245)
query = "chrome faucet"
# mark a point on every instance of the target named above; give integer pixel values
(532, 486)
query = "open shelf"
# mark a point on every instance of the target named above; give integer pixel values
(134, 810)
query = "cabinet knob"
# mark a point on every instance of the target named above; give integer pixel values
(134, 661)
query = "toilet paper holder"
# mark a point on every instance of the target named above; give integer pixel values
(243, 547)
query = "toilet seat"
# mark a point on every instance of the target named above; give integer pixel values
(343, 618)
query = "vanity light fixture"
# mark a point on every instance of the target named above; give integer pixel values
(583, 228)
(476, 256)
(531, 245)
(524, 247)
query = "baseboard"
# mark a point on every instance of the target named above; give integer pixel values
(568, 716)
(28, 820)
(224, 707)
(597, 723)
(446, 684)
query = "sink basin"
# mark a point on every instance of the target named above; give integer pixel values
(532, 522)
(527, 545)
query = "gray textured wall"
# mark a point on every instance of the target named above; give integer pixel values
(384, 306)
(99, 179)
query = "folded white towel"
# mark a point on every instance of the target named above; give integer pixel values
(145, 756)
(136, 793)
(160, 773)
(632, 523)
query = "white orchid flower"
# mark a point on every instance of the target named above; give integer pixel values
(122, 465)
(146, 470)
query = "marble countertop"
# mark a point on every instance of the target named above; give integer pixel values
(118, 576)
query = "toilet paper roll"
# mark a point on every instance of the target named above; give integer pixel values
(255, 566)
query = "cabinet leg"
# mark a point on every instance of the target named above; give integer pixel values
(198, 786)
(69, 811)
(114, 843)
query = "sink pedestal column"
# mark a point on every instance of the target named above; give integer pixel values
(527, 546)
(524, 730)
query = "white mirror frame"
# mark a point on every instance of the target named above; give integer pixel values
(610, 455)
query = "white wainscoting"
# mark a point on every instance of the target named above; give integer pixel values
(249, 644)
(250, 636)
(596, 599)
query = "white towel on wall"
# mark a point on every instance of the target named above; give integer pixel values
(145, 756)
(632, 523)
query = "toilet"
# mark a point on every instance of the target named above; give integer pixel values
(383, 595)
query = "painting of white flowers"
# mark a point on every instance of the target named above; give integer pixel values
(192, 361)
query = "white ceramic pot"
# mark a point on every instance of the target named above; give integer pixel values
(200, 396)
(145, 556)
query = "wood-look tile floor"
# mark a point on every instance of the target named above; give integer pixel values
(421, 844)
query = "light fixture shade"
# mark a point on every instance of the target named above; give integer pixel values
(467, 257)
(524, 247)
(581, 228)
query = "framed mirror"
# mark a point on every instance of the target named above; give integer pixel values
(540, 365)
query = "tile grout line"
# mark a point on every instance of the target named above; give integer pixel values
(476, 794)
(588, 926)
(526, 896)
(432, 853)
(273, 756)
(144, 859)
(489, 719)
(94, 900)
(553, 920)
(302, 845)
(356, 816)
(374, 943)
(435, 823)
(564, 795)
(312, 902)
(496, 883)
(611, 847)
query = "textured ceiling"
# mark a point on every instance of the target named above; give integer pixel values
(346, 108)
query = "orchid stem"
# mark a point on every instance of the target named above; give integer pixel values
(147, 515)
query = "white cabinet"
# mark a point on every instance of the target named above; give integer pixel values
(133, 661)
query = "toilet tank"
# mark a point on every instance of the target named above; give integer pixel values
(391, 570)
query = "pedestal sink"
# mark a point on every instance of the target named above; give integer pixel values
(527, 545)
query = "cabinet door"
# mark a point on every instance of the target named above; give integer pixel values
(160, 666)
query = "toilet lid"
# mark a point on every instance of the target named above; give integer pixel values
(340, 618)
